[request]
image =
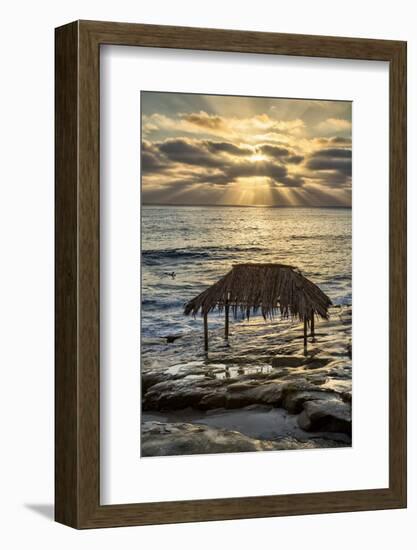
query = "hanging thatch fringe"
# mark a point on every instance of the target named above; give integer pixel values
(272, 289)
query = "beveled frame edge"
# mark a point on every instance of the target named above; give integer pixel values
(77, 377)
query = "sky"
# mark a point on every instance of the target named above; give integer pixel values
(249, 151)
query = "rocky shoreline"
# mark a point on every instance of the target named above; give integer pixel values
(193, 403)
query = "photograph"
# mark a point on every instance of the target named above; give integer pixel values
(246, 285)
(209, 259)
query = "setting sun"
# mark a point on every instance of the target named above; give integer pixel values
(257, 158)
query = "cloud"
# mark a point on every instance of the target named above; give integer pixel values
(150, 159)
(333, 153)
(221, 126)
(224, 150)
(273, 170)
(295, 159)
(274, 151)
(203, 119)
(334, 125)
(340, 140)
(230, 148)
(218, 163)
(335, 141)
(341, 165)
(333, 164)
(188, 152)
(285, 155)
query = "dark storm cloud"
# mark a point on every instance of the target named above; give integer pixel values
(294, 159)
(150, 163)
(274, 151)
(337, 162)
(333, 153)
(285, 155)
(226, 147)
(150, 159)
(230, 172)
(218, 163)
(205, 153)
(183, 151)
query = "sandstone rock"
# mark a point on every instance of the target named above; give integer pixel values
(210, 393)
(215, 400)
(164, 439)
(294, 401)
(331, 415)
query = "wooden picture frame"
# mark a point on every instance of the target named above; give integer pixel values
(77, 405)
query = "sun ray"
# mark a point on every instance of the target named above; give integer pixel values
(246, 150)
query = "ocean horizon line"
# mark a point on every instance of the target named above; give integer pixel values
(245, 205)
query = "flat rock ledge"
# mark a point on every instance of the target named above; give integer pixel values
(170, 439)
(208, 394)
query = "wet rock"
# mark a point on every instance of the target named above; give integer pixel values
(241, 386)
(239, 395)
(180, 393)
(317, 363)
(346, 396)
(165, 439)
(268, 394)
(264, 365)
(151, 378)
(210, 393)
(291, 361)
(318, 381)
(297, 361)
(213, 401)
(326, 415)
(172, 337)
(294, 401)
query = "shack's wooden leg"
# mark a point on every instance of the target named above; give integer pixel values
(205, 333)
(226, 321)
(305, 332)
(312, 334)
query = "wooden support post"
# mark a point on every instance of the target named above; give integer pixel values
(205, 333)
(312, 334)
(226, 320)
(305, 332)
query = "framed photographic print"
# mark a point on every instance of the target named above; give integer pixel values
(230, 274)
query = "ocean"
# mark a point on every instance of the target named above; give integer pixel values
(185, 249)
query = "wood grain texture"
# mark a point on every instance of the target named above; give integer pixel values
(66, 237)
(78, 284)
(398, 273)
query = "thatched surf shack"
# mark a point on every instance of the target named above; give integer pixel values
(271, 289)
